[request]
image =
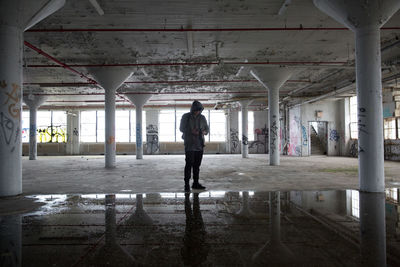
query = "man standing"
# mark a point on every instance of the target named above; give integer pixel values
(193, 126)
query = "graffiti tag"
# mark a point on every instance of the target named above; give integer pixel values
(334, 136)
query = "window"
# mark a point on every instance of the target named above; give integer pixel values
(250, 125)
(217, 125)
(88, 126)
(51, 126)
(93, 126)
(392, 194)
(353, 118)
(355, 207)
(179, 114)
(167, 125)
(25, 126)
(389, 128)
(122, 130)
(398, 128)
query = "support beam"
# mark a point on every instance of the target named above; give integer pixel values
(110, 80)
(365, 18)
(33, 102)
(245, 127)
(273, 79)
(139, 101)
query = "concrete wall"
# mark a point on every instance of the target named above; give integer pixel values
(260, 143)
(322, 201)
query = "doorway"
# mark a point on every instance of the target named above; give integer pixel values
(318, 137)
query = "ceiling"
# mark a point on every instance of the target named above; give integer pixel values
(183, 50)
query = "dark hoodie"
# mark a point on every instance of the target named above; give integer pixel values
(193, 128)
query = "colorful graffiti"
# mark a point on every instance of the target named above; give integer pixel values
(295, 133)
(52, 134)
(304, 135)
(334, 135)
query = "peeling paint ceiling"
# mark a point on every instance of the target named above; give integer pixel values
(179, 66)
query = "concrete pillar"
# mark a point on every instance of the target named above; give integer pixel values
(245, 127)
(139, 100)
(12, 24)
(33, 102)
(372, 229)
(227, 131)
(273, 79)
(73, 132)
(245, 210)
(365, 18)
(110, 79)
(152, 126)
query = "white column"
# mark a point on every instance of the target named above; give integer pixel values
(245, 127)
(370, 115)
(10, 99)
(110, 79)
(234, 132)
(274, 127)
(12, 23)
(73, 132)
(365, 19)
(227, 131)
(32, 133)
(139, 100)
(109, 144)
(139, 138)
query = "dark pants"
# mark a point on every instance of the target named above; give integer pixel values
(193, 160)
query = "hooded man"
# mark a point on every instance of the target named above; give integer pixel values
(193, 126)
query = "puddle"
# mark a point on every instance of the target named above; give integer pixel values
(211, 228)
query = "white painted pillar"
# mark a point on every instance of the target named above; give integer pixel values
(109, 143)
(245, 127)
(11, 40)
(235, 146)
(372, 229)
(73, 132)
(365, 18)
(274, 127)
(273, 79)
(110, 79)
(227, 131)
(33, 102)
(139, 100)
(152, 137)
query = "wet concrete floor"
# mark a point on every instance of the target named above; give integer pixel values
(204, 228)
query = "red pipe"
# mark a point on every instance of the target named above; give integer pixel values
(197, 63)
(161, 82)
(161, 93)
(204, 30)
(31, 46)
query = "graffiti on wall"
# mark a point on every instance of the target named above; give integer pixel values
(52, 134)
(234, 140)
(9, 129)
(334, 135)
(153, 146)
(274, 134)
(295, 133)
(261, 141)
(245, 140)
(304, 135)
(353, 149)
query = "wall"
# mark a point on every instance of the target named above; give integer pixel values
(322, 201)
(260, 143)
(392, 149)
(295, 133)
(331, 114)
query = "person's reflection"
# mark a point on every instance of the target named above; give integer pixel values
(194, 251)
(372, 229)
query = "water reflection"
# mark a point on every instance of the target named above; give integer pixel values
(10, 240)
(305, 228)
(372, 229)
(194, 251)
